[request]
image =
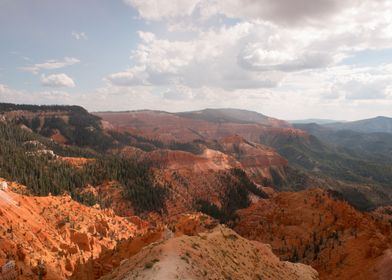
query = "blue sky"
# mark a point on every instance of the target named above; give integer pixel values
(289, 59)
(40, 30)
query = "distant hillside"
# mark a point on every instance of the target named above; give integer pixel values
(234, 116)
(205, 125)
(342, 170)
(317, 121)
(358, 166)
(71, 125)
(369, 146)
(364, 182)
(378, 124)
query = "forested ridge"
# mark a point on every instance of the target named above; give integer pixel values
(82, 129)
(24, 158)
(8, 107)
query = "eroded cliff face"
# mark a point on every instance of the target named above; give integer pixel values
(219, 253)
(311, 227)
(256, 159)
(53, 235)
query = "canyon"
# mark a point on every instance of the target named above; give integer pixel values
(211, 194)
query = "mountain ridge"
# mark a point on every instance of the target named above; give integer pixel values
(371, 125)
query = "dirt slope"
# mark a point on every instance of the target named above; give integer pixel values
(218, 254)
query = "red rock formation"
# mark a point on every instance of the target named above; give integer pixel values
(256, 159)
(57, 233)
(311, 227)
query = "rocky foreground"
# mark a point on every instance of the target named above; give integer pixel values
(216, 254)
(55, 236)
(58, 238)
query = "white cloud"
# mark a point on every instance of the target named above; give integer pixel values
(50, 65)
(57, 81)
(130, 77)
(210, 59)
(272, 43)
(79, 35)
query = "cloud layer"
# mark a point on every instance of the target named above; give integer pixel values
(289, 59)
(270, 49)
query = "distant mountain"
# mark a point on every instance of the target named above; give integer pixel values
(378, 124)
(369, 146)
(209, 124)
(352, 172)
(312, 151)
(305, 152)
(317, 121)
(234, 116)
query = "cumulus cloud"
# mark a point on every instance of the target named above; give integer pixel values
(245, 55)
(210, 59)
(79, 35)
(131, 77)
(50, 65)
(270, 43)
(57, 81)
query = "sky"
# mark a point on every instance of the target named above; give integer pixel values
(290, 59)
